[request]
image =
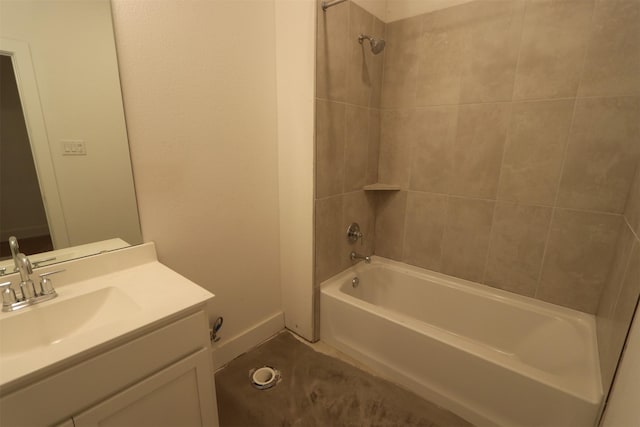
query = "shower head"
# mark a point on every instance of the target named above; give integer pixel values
(377, 45)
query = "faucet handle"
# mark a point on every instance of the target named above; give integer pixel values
(354, 233)
(8, 294)
(46, 285)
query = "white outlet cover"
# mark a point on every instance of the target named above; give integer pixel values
(76, 147)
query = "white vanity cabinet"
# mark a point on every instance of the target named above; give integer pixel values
(125, 343)
(179, 395)
(162, 377)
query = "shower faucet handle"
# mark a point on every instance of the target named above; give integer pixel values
(354, 233)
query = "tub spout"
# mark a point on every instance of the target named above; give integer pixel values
(355, 256)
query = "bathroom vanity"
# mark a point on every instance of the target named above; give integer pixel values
(126, 342)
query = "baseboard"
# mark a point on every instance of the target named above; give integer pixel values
(231, 348)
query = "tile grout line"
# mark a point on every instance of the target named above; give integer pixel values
(444, 230)
(495, 206)
(346, 96)
(419, 47)
(513, 202)
(565, 151)
(626, 221)
(554, 208)
(512, 101)
(515, 73)
(506, 141)
(369, 102)
(623, 277)
(411, 148)
(489, 245)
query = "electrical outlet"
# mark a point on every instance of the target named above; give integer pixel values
(74, 148)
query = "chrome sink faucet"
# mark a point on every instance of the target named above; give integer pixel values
(15, 250)
(27, 293)
(27, 287)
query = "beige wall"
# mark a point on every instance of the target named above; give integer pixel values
(512, 129)
(348, 80)
(74, 60)
(199, 88)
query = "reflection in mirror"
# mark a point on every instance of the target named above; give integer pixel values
(65, 179)
(21, 208)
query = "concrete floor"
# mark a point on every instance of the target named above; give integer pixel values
(317, 390)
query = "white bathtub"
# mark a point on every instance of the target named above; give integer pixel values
(492, 357)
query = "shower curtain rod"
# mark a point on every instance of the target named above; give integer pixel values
(326, 5)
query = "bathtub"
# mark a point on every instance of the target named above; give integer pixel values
(490, 356)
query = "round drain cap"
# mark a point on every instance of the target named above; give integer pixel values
(264, 378)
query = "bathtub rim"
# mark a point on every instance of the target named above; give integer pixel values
(594, 395)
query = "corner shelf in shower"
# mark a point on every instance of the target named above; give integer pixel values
(381, 187)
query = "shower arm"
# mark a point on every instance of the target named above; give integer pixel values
(326, 4)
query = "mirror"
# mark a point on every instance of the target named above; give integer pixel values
(66, 185)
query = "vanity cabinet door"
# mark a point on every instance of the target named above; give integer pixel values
(182, 394)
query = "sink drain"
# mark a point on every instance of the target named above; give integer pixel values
(264, 378)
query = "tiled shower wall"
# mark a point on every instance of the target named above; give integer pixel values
(513, 128)
(620, 295)
(348, 81)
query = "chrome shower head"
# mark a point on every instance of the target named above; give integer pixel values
(377, 45)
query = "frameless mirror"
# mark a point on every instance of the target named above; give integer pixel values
(66, 185)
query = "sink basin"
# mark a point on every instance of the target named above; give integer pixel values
(52, 322)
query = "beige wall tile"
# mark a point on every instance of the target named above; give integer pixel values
(332, 52)
(377, 65)
(626, 304)
(602, 155)
(534, 152)
(518, 237)
(478, 148)
(330, 141)
(358, 206)
(607, 301)
(578, 258)
(356, 148)
(432, 154)
(612, 66)
(466, 237)
(632, 209)
(373, 152)
(554, 42)
(329, 235)
(607, 304)
(396, 136)
(401, 63)
(359, 69)
(390, 217)
(424, 227)
(494, 36)
(443, 50)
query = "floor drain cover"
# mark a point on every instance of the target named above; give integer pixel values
(264, 378)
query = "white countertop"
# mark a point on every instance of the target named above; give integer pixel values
(134, 289)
